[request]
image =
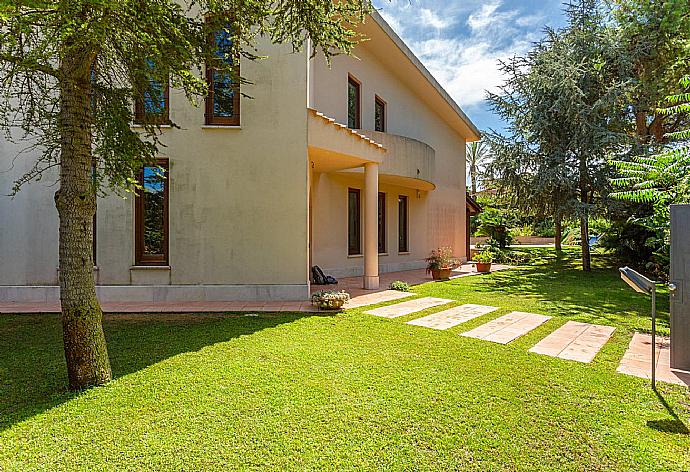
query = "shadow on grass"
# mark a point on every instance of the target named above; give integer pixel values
(33, 375)
(674, 426)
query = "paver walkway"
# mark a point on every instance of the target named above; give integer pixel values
(575, 341)
(637, 360)
(375, 298)
(508, 327)
(452, 317)
(408, 307)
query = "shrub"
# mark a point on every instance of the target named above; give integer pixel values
(400, 286)
(441, 258)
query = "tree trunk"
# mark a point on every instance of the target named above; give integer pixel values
(584, 216)
(84, 342)
(558, 227)
(473, 178)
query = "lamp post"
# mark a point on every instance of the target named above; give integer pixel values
(642, 284)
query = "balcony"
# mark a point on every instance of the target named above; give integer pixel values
(407, 162)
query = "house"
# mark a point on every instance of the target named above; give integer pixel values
(358, 168)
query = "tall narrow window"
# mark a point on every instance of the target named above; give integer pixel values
(354, 223)
(353, 103)
(382, 222)
(402, 224)
(154, 105)
(379, 115)
(223, 100)
(151, 215)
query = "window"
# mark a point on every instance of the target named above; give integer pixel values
(379, 115)
(151, 215)
(382, 222)
(154, 106)
(402, 224)
(354, 222)
(353, 103)
(223, 100)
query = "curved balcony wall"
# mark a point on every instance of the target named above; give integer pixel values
(407, 162)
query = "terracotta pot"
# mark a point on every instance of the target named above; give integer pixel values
(440, 274)
(484, 267)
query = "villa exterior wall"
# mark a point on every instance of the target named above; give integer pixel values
(437, 218)
(238, 198)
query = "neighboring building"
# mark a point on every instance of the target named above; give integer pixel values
(258, 190)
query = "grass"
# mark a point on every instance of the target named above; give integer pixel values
(349, 391)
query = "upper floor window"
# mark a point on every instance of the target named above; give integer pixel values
(353, 103)
(379, 115)
(151, 215)
(223, 100)
(154, 104)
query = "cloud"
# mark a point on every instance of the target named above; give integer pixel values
(462, 48)
(431, 19)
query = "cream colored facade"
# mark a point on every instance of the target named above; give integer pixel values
(251, 208)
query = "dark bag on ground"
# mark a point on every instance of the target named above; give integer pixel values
(319, 278)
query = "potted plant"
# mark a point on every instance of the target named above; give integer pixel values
(330, 299)
(483, 260)
(440, 263)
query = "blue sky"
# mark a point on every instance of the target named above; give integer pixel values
(461, 42)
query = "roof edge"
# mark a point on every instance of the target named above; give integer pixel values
(383, 24)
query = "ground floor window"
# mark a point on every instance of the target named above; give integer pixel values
(402, 224)
(151, 215)
(354, 222)
(382, 222)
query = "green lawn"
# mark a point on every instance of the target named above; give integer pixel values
(349, 391)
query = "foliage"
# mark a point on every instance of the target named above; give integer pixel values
(441, 258)
(485, 257)
(330, 299)
(660, 179)
(400, 286)
(477, 153)
(559, 101)
(494, 223)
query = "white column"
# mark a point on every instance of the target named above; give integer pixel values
(371, 245)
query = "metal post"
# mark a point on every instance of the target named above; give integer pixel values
(654, 337)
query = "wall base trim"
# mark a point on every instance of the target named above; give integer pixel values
(163, 293)
(358, 271)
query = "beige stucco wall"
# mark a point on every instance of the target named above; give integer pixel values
(437, 218)
(238, 197)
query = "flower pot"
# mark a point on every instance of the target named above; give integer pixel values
(483, 267)
(331, 305)
(440, 274)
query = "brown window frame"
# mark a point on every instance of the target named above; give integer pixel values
(141, 258)
(358, 105)
(209, 117)
(141, 117)
(381, 217)
(404, 226)
(358, 221)
(378, 101)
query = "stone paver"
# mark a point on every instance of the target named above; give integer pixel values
(575, 341)
(452, 317)
(508, 327)
(408, 307)
(375, 298)
(637, 360)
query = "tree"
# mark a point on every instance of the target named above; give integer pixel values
(477, 153)
(660, 179)
(560, 105)
(70, 71)
(655, 40)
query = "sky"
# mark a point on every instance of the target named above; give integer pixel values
(461, 42)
